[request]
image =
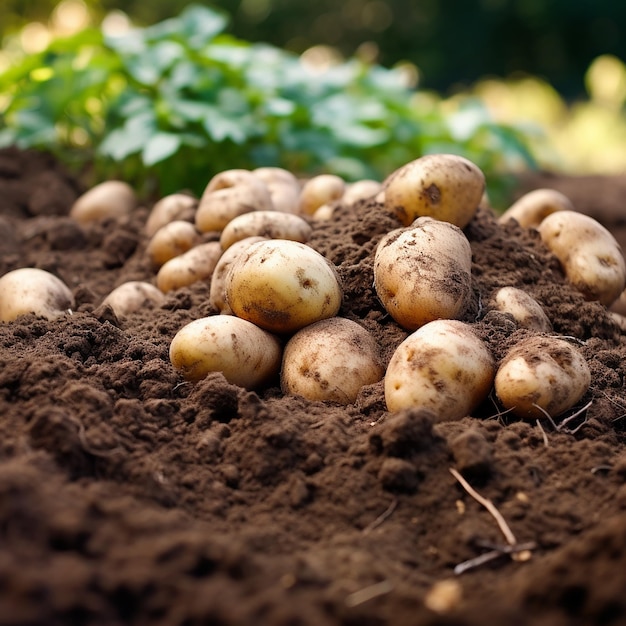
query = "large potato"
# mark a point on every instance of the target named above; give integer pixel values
(283, 286)
(443, 366)
(31, 290)
(190, 267)
(589, 254)
(541, 373)
(133, 296)
(446, 187)
(423, 272)
(330, 360)
(110, 199)
(522, 307)
(270, 224)
(176, 206)
(534, 206)
(245, 354)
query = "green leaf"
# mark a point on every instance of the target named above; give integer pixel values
(160, 147)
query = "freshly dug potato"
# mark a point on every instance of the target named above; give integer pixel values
(133, 296)
(320, 190)
(229, 194)
(190, 267)
(523, 308)
(111, 199)
(217, 292)
(330, 360)
(323, 213)
(176, 206)
(443, 366)
(283, 286)
(270, 224)
(446, 187)
(31, 290)
(245, 354)
(283, 186)
(544, 371)
(423, 273)
(536, 205)
(171, 240)
(361, 190)
(591, 258)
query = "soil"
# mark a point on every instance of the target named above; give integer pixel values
(129, 496)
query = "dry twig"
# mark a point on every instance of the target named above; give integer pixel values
(382, 517)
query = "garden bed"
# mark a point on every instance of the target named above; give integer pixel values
(129, 496)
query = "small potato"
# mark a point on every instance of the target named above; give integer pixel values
(111, 199)
(176, 206)
(245, 354)
(443, 366)
(543, 372)
(31, 290)
(171, 240)
(590, 256)
(523, 308)
(190, 267)
(536, 205)
(446, 187)
(133, 296)
(361, 190)
(283, 186)
(320, 190)
(270, 224)
(423, 273)
(330, 360)
(217, 292)
(323, 213)
(229, 194)
(283, 286)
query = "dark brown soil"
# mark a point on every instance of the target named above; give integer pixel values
(128, 496)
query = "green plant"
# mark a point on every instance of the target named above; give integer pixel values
(168, 106)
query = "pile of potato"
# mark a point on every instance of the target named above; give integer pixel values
(280, 299)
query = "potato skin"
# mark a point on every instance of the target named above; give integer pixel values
(534, 206)
(31, 290)
(443, 366)
(176, 206)
(190, 267)
(330, 360)
(446, 187)
(423, 272)
(591, 258)
(172, 240)
(544, 371)
(132, 296)
(247, 355)
(110, 199)
(522, 307)
(282, 286)
(320, 190)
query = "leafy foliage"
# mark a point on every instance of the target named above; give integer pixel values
(168, 106)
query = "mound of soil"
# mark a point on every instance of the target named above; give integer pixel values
(129, 496)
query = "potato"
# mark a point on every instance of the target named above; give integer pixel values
(529, 210)
(330, 360)
(320, 190)
(245, 354)
(133, 296)
(589, 254)
(283, 286)
(283, 186)
(544, 371)
(522, 307)
(111, 199)
(443, 366)
(176, 206)
(361, 190)
(423, 273)
(446, 187)
(217, 292)
(190, 267)
(323, 213)
(171, 240)
(229, 194)
(31, 290)
(270, 224)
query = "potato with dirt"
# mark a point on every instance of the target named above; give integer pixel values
(444, 367)
(283, 285)
(590, 256)
(330, 360)
(133, 296)
(175, 206)
(245, 354)
(283, 186)
(445, 187)
(172, 240)
(423, 272)
(111, 199)
(192, 266)
(534, 206)
(522, 307)
(319, 190)
(541, 374)
(32, 290)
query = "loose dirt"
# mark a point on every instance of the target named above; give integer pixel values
(129, 496)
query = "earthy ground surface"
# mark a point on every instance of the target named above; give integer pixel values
(128, 496)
